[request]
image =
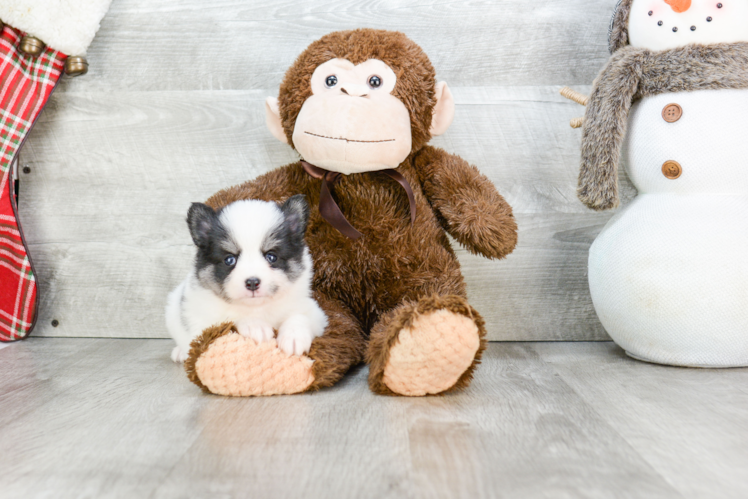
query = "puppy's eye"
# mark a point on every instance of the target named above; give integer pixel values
(331, 81)
(375, 81)
(230, 260)
(271, 257)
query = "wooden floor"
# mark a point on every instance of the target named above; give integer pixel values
(114, 418)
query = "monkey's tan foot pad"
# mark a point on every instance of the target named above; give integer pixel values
(223, 362)
(432, 354)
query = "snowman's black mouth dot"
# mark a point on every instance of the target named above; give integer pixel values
(659, 23)
(693, 28)
(709, 19)
(719, 5)
(675, 29)
(650, 12)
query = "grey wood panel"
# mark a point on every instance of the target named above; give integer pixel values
(113, 173)
(666, 412)
(241, 44)
(105, 426)
(115, 418)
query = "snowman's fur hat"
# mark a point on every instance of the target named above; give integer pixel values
(633, 73)
(618, 33)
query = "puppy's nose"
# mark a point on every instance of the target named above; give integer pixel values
(253, 284)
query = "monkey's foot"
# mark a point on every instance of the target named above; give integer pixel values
(224, 362)
(429, 347)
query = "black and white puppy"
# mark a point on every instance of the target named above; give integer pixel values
(253, 268)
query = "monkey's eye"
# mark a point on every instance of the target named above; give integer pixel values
(375, 81)
(331, 81)
(271, 257)
(230, 260)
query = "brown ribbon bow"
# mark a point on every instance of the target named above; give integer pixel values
(330, 210)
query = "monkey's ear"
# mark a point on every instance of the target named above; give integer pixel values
(273, 119)
(444, 111)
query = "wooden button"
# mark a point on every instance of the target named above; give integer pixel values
(671, 169)
(672, 113)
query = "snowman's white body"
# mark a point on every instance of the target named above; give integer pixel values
(669, 273)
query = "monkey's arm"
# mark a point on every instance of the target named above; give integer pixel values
(276, 185)
(467, 203)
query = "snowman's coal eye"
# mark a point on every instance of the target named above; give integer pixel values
(375, 81)
(331, 81)
(659, 23)
(719, 5)
(693, 28)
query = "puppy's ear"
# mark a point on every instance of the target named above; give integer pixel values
(201, 219)
(296, 214)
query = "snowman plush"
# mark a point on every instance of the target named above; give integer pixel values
(669, 273)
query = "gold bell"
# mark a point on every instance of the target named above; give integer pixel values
(76, 66)
(31, 46)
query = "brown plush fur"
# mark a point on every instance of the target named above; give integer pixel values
(632, 74)
(384, 336)
(343, 345)
(361, 283)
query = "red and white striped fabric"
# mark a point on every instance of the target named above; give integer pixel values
(25, 85)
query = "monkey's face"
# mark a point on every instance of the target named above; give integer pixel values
(360, 101)
(352, 123)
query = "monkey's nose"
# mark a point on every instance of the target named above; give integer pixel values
(355, 90)
(679, 5)
(253, 284)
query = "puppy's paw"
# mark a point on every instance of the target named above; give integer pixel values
(295, 339)
(179, 355)
(257, 330)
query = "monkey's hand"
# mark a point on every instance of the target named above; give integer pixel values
(467, 203)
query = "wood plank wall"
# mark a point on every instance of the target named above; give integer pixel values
(172, 110)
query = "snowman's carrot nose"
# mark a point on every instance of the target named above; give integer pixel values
(679, 5)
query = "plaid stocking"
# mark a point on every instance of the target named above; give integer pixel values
(25, 85)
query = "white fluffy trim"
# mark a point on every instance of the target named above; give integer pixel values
(65, 25)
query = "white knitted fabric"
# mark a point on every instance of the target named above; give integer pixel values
(669, 273)
(68, 26)
(709, 141)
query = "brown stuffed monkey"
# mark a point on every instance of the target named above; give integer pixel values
(360, 107)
